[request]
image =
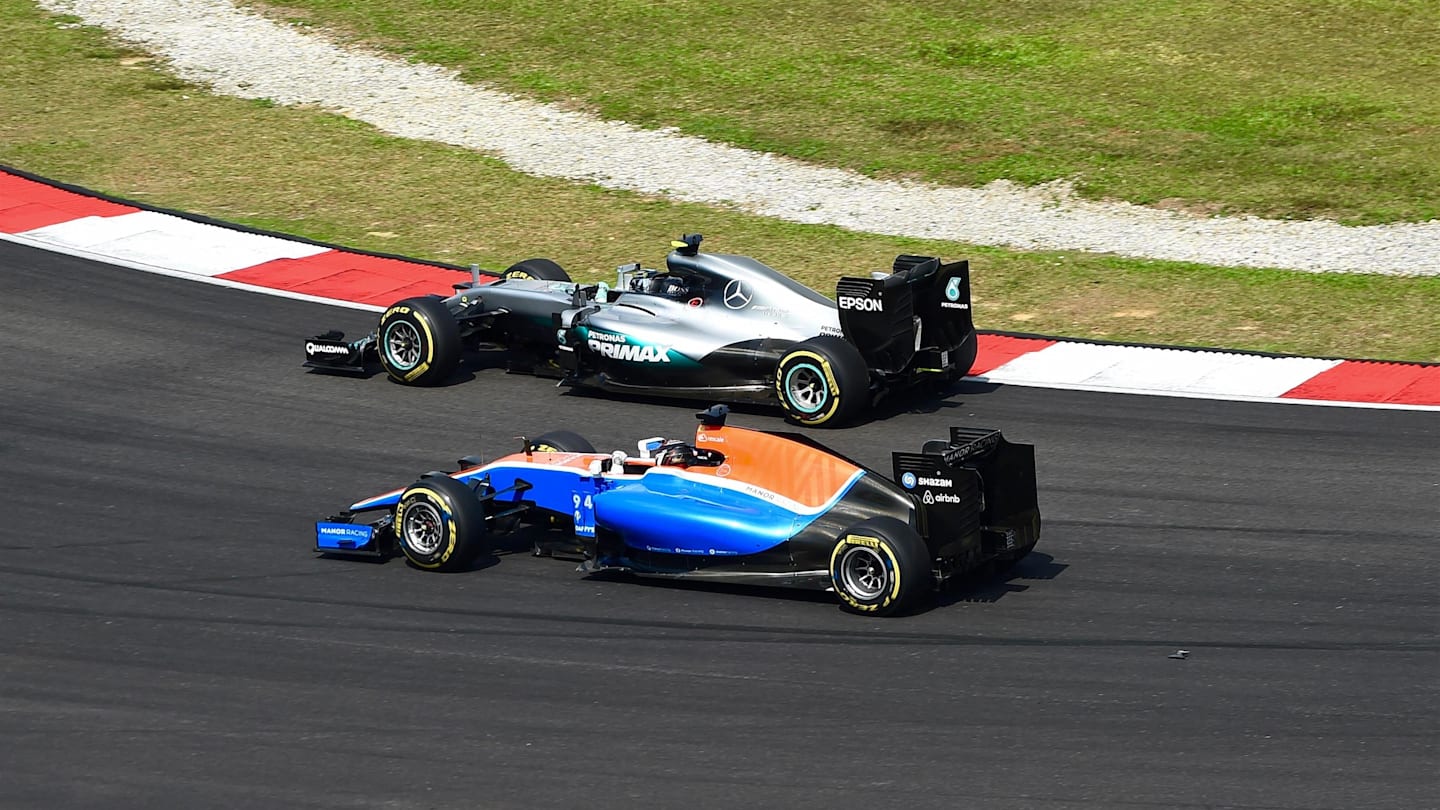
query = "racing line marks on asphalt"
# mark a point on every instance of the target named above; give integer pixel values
(42, 214)
(652, 629)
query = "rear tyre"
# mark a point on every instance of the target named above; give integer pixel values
(823, 381)
(543, 269)
(561, 441)
(419, 341)
(440, 524)
(880, 567)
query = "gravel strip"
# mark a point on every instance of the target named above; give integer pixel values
(238, 53)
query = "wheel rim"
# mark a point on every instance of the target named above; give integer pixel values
(402, 345)
(423, 527)
(805, 388)
(863, 573)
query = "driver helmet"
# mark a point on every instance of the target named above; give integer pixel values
(661, 284)
(676, 454)
(674, 286)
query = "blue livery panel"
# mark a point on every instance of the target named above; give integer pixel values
(658, 511)
(343, 536)
(558, 489)
(672, 514)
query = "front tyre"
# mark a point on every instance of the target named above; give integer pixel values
(823, 381)
(880, 567)
(419, 341)
(440, 524)
(561, 441)
(543, 269)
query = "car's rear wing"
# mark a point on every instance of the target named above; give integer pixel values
(916, 317)
(976, 492)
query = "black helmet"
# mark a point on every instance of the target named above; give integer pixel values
(677, 454)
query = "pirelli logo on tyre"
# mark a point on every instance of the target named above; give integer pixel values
(865, 572)
(827, 401)
(429, 500)
(407, 343)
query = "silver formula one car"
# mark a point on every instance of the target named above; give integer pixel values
(707, 327)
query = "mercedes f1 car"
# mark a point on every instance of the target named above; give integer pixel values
(735, 505)
(708, 326)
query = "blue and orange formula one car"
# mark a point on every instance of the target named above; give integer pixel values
(735, 505)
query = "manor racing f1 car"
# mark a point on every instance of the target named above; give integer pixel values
(709, 326)
(735, 505)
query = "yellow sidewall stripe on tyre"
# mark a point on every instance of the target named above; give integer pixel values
(829, 379)
(444, 512)
(875, 543)
(421, 367)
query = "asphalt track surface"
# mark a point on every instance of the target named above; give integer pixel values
(170, 640)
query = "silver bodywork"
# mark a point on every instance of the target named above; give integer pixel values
(707, 326)
(721, 325)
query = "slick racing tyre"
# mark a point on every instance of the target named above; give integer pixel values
(823, 381)
(561, 441)
(542, 269)
(440, 524)
(419, 341)
(880, 567)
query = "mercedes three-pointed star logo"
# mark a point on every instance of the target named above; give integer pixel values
(737, 295)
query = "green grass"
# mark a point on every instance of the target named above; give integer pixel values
(1285, 108)
(80, 109)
